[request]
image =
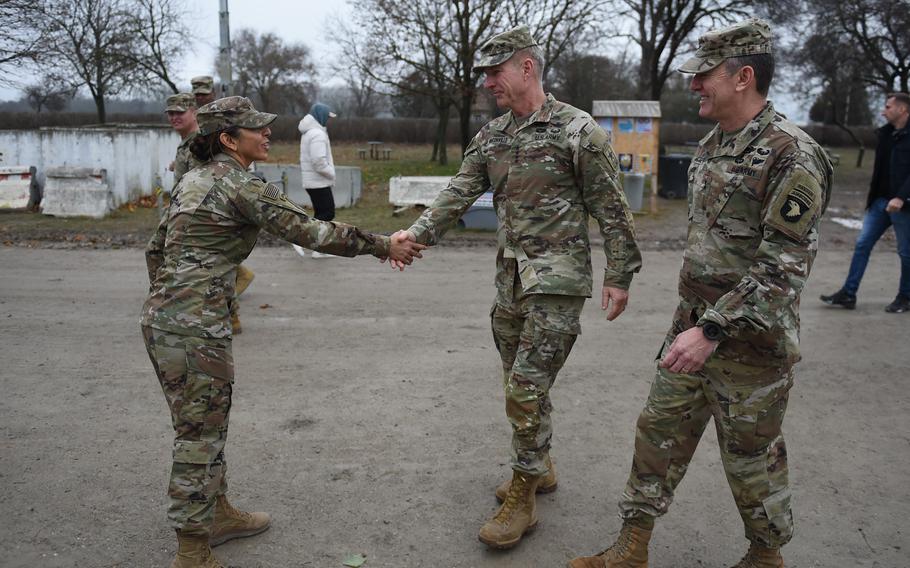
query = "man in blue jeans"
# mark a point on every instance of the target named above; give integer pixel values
(888, 205)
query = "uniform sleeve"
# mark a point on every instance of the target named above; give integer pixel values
(796, 199)
(154, 250)
(596, 168)
(267, 207)
(469, 183)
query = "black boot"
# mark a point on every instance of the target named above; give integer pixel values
(900, 305)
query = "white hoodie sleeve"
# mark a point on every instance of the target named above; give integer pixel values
(319, 157)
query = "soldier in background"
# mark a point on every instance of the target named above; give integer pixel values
(212, 224)
(758, 186)
(181, 113)
(204, 91)
(550, 167)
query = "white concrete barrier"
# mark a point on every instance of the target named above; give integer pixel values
(132, 155)
(347, 190)
(416, 190)
(18, 187)
(71, 192)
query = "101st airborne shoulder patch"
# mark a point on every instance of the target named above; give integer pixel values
(796, 205)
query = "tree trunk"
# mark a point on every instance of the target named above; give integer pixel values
(99, 107)
(645, 72)
(441, 130)
(464, 117)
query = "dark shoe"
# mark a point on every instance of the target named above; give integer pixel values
(900, 305)
(840, 298)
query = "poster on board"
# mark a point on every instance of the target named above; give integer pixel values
(625, 125)
(643, 125)
(626, 162)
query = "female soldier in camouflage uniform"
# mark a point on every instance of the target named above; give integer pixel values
(211, 226)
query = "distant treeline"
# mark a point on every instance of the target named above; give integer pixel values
(398, 130)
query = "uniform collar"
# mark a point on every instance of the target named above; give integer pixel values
(543, 114)
(738, 144)
(229, 160)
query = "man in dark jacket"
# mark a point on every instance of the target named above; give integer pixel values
(888, 204)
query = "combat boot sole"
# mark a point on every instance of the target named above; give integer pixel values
(507, 544)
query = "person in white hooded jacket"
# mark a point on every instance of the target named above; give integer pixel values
(317, 169)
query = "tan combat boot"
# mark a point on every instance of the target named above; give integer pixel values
(236, 328)
(629, 551)
(516, 516)
(244, 278)
(547, 482)
(761, 557)
(193, 551)
(233, 523)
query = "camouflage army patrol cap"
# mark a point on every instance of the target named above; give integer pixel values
(231, 111)
(501, 47)
(181, 102)
(748, 37)
(202, 85)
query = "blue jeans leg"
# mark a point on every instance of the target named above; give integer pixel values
(901, 222)
(875, 223)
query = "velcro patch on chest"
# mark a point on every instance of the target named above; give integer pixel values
(796, 205)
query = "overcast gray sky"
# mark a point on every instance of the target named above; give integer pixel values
(302, 21)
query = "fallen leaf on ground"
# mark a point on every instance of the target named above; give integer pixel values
(265, 306)
(354, 561)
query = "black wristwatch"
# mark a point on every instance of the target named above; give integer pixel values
(712, 331)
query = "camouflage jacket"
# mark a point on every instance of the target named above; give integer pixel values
(184, 161)
(547, 175)
(210, 227)
(755, 202)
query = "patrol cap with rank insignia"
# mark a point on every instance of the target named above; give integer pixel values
(499, 48)
(750, 37)
(231, 111)
(181, 102)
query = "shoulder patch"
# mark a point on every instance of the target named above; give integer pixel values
(796, 205)
(272, 195)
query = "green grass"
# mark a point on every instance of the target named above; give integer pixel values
(374, 212)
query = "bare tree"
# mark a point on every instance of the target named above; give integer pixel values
(404, 48)
(91, 46)
(558, 25)
(877, 33)
(22, 39)
(52, 92)
(160, 38)
(270, 68)
(663, 29)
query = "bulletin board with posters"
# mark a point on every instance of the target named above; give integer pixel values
(634, 131)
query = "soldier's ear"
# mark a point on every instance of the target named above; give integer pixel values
(228, 141)
(745, 77)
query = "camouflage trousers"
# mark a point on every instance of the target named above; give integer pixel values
(534, 334)
(196, 375)
(748, 405)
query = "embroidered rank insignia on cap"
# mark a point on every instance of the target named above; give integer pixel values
(798, 201)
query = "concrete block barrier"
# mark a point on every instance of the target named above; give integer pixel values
(72, 192)
(19, 187)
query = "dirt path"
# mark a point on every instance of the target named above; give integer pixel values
(368, 419)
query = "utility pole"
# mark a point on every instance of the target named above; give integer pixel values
(224, 52)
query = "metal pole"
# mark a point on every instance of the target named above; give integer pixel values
(224, 52)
